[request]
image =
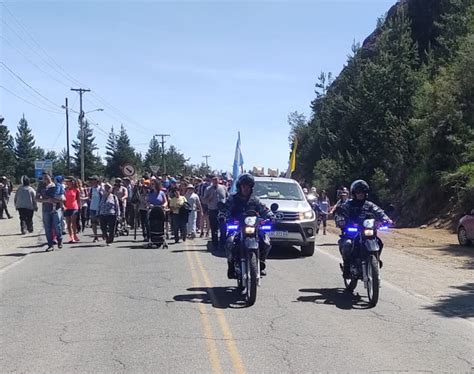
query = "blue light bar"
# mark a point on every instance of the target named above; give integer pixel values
(232, 227)
(266, 227)
(352, 229)
(383, 228)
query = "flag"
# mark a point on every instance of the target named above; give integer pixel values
(292, 164)
(238, 165)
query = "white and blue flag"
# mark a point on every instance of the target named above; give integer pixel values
(238, 166)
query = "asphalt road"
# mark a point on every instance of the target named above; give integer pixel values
(124, 308)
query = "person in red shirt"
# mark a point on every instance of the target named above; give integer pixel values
(71, 208)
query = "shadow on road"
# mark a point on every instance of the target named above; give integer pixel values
(189, 250)
(218, 297)
(6, 235)
(459, 304)
(326, 245)
(465, 252)
(14, 255)
(338, 297)
(32, 246)
(284, 253)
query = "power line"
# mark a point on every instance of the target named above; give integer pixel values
(28, 85)
(60, 70)
(28, 102)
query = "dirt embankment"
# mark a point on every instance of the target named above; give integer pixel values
(438, 245)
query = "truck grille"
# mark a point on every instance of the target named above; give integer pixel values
(288, 216)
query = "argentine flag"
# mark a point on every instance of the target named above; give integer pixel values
(238, 166)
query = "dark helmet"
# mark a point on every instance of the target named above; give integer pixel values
(245, 179)
(359, 186)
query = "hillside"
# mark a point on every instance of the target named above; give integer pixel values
(400, 114)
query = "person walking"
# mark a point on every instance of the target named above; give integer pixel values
(96, 192)
(25, 203)
(179, 217)
(121, 192)
(214, 194)
(51, 195)
(83, 206)
(71, 206)
(4, 198)
(324, 206)
(109, 209)
(196, 210)
(204, 221)
(143, 207)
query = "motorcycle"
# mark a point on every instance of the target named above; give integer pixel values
(365, 261)
(246, 259)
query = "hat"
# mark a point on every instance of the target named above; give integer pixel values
(94, 178)
(107, 184)
(117, 180)
(189, 186)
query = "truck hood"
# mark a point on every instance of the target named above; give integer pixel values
(288, 205)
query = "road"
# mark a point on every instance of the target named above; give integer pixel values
(124, 308)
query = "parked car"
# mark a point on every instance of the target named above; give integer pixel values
(296, 220)
(466, 229)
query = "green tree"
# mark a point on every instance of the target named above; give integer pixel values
(25, 151)
(7, 152)
(92, 163)
(175, 161)
(119, 153)
(153, 155)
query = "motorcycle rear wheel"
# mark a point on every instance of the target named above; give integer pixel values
(373, 284)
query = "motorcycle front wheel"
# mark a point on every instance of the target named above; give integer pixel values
(373, 284)
(350, 284)
(252, 279)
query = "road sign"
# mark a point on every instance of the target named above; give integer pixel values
(154, 168)
(42, 166)
(128, 170)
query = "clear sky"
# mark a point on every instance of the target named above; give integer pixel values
(198, 70)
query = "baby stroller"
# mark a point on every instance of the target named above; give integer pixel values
(121, 227)
(156, 234)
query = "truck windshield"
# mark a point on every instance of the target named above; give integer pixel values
(277, 191)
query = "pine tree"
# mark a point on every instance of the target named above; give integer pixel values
(153, 155)
(92, 163)
(175, 161)
(120, 152)
(25, 151)
(7, 152)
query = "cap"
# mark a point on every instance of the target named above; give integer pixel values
(190, 186)
(107, 184)
(94, 178)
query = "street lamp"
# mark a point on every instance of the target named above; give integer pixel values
(95, 110)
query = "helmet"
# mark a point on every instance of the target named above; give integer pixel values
(245, 179)
(359, 186)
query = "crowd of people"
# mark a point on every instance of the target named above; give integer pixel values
(322, 205)
(69, 205)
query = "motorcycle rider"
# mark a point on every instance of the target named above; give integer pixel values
(356, 210)
(235, 207)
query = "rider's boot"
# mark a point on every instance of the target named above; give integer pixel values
(346, 272)
(231, 271)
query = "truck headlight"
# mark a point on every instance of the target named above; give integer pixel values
(306, 215)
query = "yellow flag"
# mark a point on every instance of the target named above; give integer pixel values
(293, 156)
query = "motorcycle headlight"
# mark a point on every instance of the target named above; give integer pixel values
(368, 232)
(250, 230)
(250, 221)
(306, 215)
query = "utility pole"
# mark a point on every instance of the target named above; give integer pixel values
(163, 136)
(207, 157)
(81, 124)
(67, 139)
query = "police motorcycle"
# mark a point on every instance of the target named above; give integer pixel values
(246, 234)
(365, 262)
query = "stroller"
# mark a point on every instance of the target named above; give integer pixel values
(156, 234)
(121, 227)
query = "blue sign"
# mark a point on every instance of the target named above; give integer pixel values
(42, 166)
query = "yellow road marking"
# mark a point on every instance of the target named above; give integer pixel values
(210, 340)
(225, 328)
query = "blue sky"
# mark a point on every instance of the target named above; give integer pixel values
(198, 70)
